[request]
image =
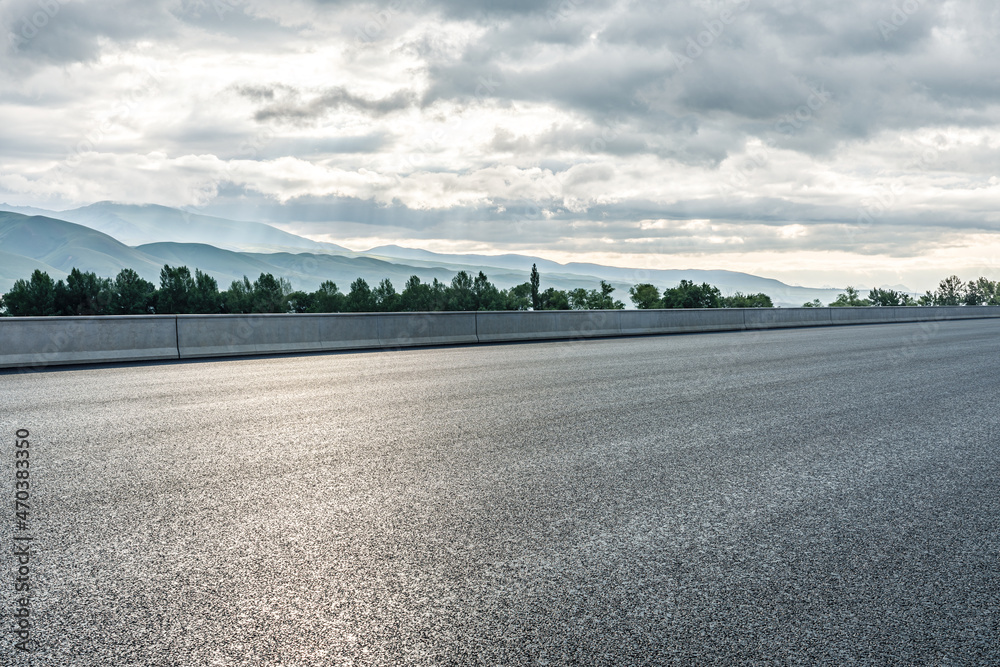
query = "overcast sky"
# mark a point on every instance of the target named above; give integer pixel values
(810, 141)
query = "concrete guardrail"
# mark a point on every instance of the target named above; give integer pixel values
(547, 325)
(410, 329)
(37, 342)
(235, 335)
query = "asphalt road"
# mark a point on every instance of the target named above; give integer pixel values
(793, 497)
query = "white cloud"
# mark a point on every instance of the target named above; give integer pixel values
(576, 129)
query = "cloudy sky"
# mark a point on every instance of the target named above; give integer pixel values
(815, 142)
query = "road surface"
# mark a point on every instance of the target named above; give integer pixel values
(787, 496)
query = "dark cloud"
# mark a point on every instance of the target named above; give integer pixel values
(673, 65)
(41, 32)
(282, 103)
(632, 226)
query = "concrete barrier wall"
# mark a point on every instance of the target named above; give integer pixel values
(547, 325)
(346, 331)
(229, 335)
(37, 342)
(642, 322)
(779, 318)
(410, 329)
(861, 315)
(910, 314)
(232, 335)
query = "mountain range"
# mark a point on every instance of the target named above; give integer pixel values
(107, 237)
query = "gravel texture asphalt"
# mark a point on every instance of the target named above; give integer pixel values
(790, 497)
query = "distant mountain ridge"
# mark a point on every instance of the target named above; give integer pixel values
(135, 224)
(54, 244)
(729, 282)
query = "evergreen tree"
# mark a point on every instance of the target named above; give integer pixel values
(328, 299)
(205, 297)
(84, 293)
(460, 294)
(644, 296)
(239, 297)
(176, 286)
(386, 299)
(269, 294)
(360, 298)
(536, 303)
(35, 297)
(131, 294)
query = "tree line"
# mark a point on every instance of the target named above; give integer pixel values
(690, 295)
(181, 291)
(950, 292)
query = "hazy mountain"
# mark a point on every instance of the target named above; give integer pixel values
(305, 271)
(15, 267)
(63, 245)
(139, 224)
(55, 245)
(728, 282)
(28, 210)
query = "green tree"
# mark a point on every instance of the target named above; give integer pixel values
(84, 293)
(980, 292)
(644, 296)
(579, 299)
(849, 299)
(205, 297)
(239, 297)
(131, 294)
(439, 295)
(815, 303)
(689, 295)
(740, 300)
(950, 292)
(328, 299)
(553, 299)
(269, 294)
(416, 296)
(35, 297)
(886, 297)
(299, 302)
(601, 299)
(992, 290)
(460, 294)
(486, 295)
(176, 286)
(360, 298)
(386, 299)
(926, 299)
(518, 297)
(535, 281)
